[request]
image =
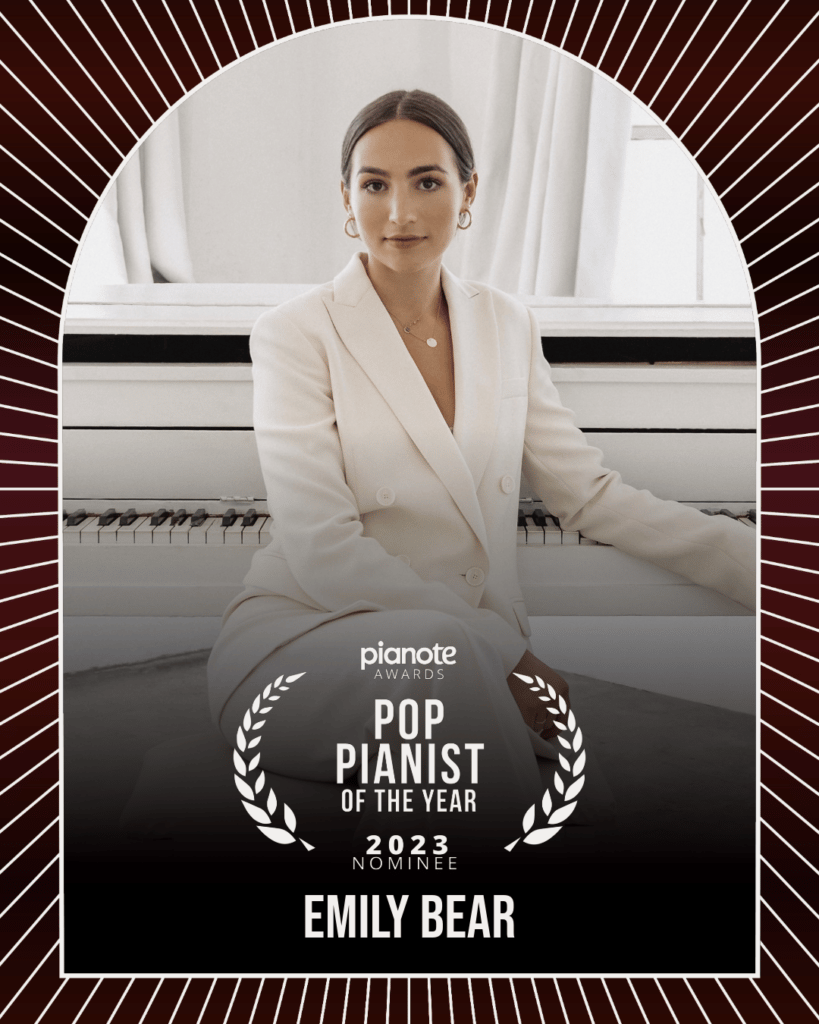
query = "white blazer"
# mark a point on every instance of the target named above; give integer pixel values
(376, 505)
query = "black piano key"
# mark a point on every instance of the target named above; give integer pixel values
(250, 517)
(179, 517)
(199, 517)
(76, 517)
(159, 517)
(751, 514)
(230, 517)
(108, 517)
(128, 517)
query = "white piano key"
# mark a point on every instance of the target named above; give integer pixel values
(252, 535)
(126, 534)
(72, 534)
(199, 534)
(144, 533)
(162, 533)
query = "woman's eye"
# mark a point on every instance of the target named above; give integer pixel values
(374, 186)
(429, 184)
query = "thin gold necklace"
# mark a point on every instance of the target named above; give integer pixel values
(407, 328)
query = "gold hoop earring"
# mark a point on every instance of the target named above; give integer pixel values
(350, 220)
(465, 213)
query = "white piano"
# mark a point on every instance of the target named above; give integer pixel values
(168, 444)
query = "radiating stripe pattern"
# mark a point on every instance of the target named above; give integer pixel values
(82, 82)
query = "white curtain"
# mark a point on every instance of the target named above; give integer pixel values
(252, 162)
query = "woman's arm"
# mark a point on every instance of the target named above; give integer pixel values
(315, 513)
(569, 477)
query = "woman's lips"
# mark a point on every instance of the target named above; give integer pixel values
(405, 241)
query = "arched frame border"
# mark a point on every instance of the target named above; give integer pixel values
(692, 63)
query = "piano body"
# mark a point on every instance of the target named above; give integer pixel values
(157, 427)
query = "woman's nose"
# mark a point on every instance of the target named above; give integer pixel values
(402, 210)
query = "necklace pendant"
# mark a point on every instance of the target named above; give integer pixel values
(406, 330)
(432, 342)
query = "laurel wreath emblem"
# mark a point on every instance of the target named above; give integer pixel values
(253, 722)
(556, 814)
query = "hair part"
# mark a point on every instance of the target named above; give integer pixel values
(411, 105)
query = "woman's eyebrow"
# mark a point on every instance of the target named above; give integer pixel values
(410, 174)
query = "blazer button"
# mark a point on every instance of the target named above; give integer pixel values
(385, 496)
(475, 576)
(404, 558)
(507, 483)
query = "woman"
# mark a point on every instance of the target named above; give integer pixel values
(393, 410)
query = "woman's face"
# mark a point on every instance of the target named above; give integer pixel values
(406, 195)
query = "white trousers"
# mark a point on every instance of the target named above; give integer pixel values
(334, 703)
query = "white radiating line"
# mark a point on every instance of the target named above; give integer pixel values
(25, 650)
(184, 42)
(779, 671)
(795, 462)
(514, 1000)
(326, 987)
(281, 996)
(22, 234)
(270, 22)
(768, 151)
(785, 412)
(612, 33)
(471, 999)
(50, 152)
(303, 997)
(634, 40)
(588, 33)
(29, 929)
(525, 20)
(790, 270)
(767, 1001)
(229, 33)
(82, 68)
(790, 739)
(787, 330)
(25, 383)
(492, 997)
(788, 806)
(28, 540)
(793, 622)
(28, 979)
(22, 568)
(659, 44)
(31, 675)
(665, 998)
(121, 998)
(207, 1000)
(22, 743)
(801, 714)
(160, 47)
(707, 61)
(55, 119)
(792, 983)
(616, 1014)
(28, 437)
(793, 650)
(731, 72)
(505, 19)
(42, 181)
(751, 91)
(39, 305)
(24, 622)
(637, 998)
(150, 1001)
(451, 1011)
(789, 772)
(48, 220)
(793, 849)
(788, 239)
(696, 1000)
(45, 280)
(205, 34)
(34, 768)
(22, 892)
(798, 896)
(580, 983)
(543, 36)
(28, 593)
(47, 337)
(232, 1000)
(104, 52)
(29, 844)
(560, 997)
(136, 54)
(389, 983)
(27, 809)
(429, 999)
(537, 1000)
(253, 34)
(182, 996)
(776, 181)
(680, 55)
(346, 998)
(367, 1002)
(784, 359)
(568, 23)
(731, 1001)
(793, 298)
(79, 106)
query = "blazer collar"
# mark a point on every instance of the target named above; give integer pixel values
(368, 332)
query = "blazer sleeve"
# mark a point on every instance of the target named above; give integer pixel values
(316, 516)
(569, 477)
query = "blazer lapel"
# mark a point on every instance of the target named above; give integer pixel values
(366, 329)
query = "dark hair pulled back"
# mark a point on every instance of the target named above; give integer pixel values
(411, 105)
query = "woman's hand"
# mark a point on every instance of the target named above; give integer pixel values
(535, 712)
